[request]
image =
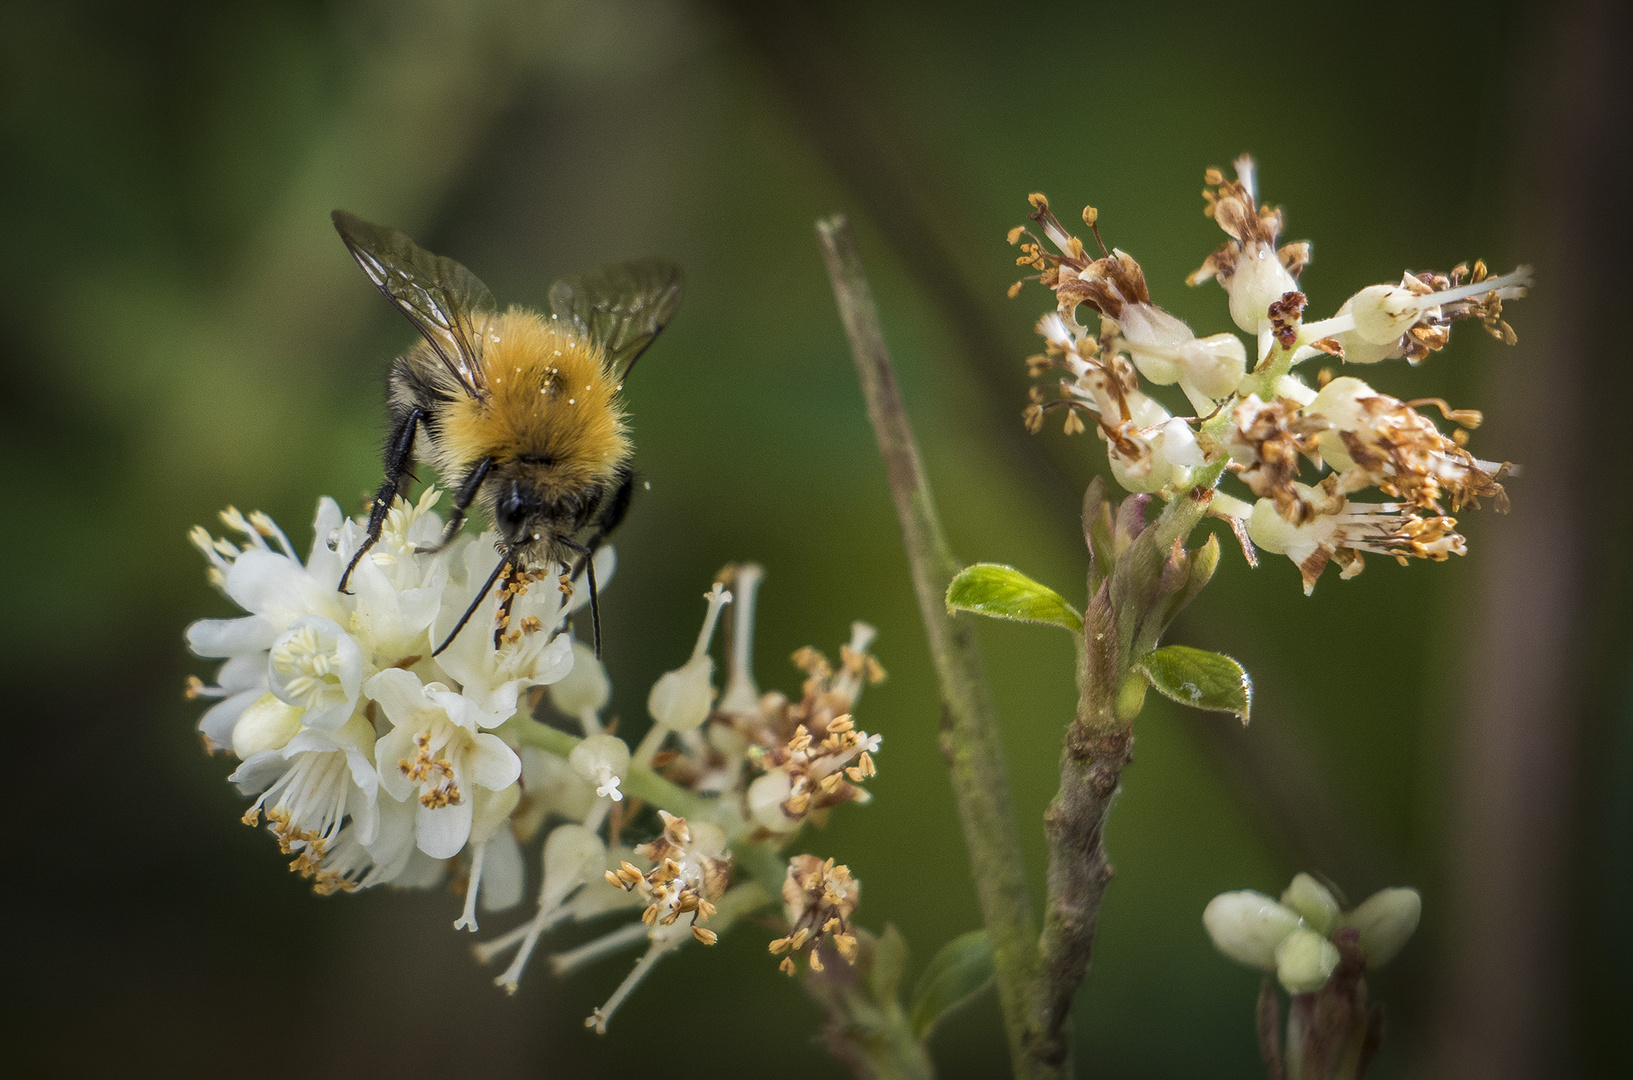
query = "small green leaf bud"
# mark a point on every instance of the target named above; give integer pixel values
(1304, 961)
(1386, 920)
(1314, 901)
(1249, 926)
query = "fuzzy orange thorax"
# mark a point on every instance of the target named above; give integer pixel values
(550, 401)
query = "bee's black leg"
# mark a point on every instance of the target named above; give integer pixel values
(504, 561)
(587, 561)
(610, 516)
(613, 511)
(462, 501)
(399, 456)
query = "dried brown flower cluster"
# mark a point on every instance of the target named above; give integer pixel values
(820, 759)
(818, 899)
(1265, 424)
(687, 877)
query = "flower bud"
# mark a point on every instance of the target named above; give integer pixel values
(585, 687)
(1386, 920)
(266, 725)
(1275, 534)
(765, 799)
(1339, 403)
(573, 854)
(680, 699)
(1259, 281)
(1291, 386)
(492, 811)
(707, 838)
(603, 760)
(1314, 901)
(1383, 313)
(1214, 365)
(1304, 961)
(1249, 926)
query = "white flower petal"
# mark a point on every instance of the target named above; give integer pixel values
(394, 746)
(244, 672)
(441, 833)
(230, 637)
(260, 771)
(365, 817)
(420, 871)
(279, 589)
(399, 693)
(491, 764)
(503, 874)
(393, 839)
(1305, 961)
(363, 772)
(1386, 920)
(217, 723)
(322, 564)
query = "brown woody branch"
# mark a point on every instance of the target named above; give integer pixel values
(969, 726)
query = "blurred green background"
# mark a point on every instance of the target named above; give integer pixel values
(182, 330)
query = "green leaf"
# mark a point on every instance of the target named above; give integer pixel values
(889, 965)
(1200, 679)
(1005, 593)
(955, 974)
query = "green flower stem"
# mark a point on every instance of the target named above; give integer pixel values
(641, 781)
(969, 725)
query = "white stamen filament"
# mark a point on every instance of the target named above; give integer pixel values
(660, 945)
(742, 695)
(649, 745)
(528, 934)
(312, 792)
(590, 719)
(1247, 174)
(467, 919)
(718, 598)
(1503, 285)
(263, 525)
(1058, 237)
(575, 959)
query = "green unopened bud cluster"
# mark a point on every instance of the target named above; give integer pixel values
(1293, 937)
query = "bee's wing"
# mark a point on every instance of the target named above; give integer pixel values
(620, 307)
(439, 296)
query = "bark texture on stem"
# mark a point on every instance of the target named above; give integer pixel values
(1090, 767)
(1096, 749)
(969, 727)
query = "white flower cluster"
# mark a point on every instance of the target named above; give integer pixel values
(372, 759)
(376, 759)
(1263, 424)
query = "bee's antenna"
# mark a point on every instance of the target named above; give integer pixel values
(588, 562)
(504, 561)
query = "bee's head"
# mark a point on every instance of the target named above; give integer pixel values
(528, 509)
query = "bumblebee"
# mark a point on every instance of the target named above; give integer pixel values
(517, 411)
